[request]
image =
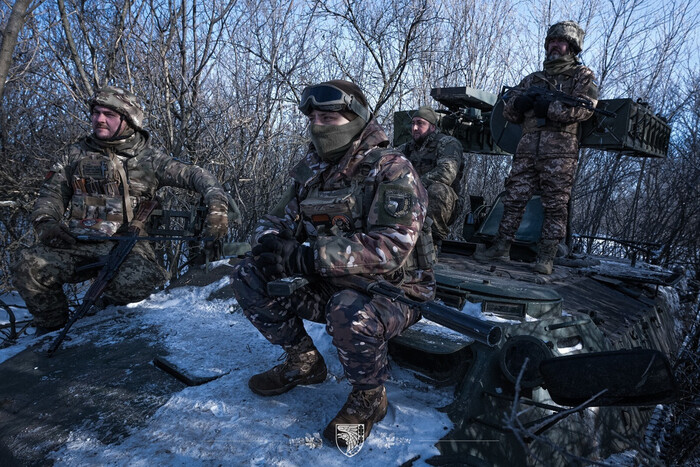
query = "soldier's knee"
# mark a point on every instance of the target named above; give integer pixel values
(26, 266)
(351, 318)
(439, 191)
(344, 308)
(341, 306)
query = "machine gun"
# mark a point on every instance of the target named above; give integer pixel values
(474, 328)
(111, 264)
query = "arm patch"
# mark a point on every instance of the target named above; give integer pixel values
(396, 205)
(49, 175)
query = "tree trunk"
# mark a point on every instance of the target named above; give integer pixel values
(9, 40)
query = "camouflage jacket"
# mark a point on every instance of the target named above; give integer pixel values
(559, 135)
(89, 180)
(437, 159)
(380, 210)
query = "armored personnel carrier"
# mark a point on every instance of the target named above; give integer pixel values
(582, 362)
(574, 373)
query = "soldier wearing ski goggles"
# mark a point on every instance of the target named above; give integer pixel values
(353, 208)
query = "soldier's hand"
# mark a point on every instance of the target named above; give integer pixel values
(267, 255)
(523, 103)
(216, 223)
(281, 255)
(54, 234)
(541, 108)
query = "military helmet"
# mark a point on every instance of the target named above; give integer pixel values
(568, 30)
(122, 102)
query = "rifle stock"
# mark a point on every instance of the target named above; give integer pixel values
(481, 331)
(114, 260)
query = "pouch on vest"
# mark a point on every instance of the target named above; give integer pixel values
(96, 205)
(336, 212)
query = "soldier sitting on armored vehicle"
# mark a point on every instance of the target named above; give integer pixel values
(438, 160)
(547, 154)
(101, 182)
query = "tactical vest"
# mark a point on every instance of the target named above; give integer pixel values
(100, 188)
(344, 212)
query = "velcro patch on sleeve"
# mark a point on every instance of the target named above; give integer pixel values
(49, 175)
(396, 205)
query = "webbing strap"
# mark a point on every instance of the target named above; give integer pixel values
(128, 209)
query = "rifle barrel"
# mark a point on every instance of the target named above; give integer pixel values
(479, 330)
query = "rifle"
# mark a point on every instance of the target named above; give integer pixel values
(475, 328)
(111, 264)
(552, 95)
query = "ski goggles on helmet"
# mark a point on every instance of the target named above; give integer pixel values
(329, 98)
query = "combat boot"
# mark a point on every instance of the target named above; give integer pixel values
(500, 250)
(303, 364)
(363, 407)
(546, 251)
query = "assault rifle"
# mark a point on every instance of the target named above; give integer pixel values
(475, 328)
(551, 96)
(111, 264)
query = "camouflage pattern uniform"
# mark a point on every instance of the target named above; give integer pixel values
(88, 188)
(326, 209)
(546, 156)
(439, 162)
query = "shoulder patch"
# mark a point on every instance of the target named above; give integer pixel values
(49, 175)
(397, 203)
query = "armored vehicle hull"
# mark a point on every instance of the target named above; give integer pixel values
(503, 411)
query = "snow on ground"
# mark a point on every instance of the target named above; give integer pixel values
(222, 422)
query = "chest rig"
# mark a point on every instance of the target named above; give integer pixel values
(344, 212)
(100, 201)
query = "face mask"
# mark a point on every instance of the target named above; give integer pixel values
(558, 65)
(333, 141)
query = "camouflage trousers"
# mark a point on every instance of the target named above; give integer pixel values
(553, 178)
(40, 272)
(442, 201)
(360, 325)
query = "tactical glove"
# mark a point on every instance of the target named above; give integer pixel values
(54, 234)
(281, 256)
(216, 224)
(523, 103)
(541, 108)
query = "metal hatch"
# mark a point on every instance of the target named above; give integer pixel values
(506, 298)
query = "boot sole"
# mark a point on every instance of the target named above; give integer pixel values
(312, 379)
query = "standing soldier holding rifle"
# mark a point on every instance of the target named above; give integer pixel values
(355, 209)
(547, 153)
(101, 184)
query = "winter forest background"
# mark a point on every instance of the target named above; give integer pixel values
(220, 80)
